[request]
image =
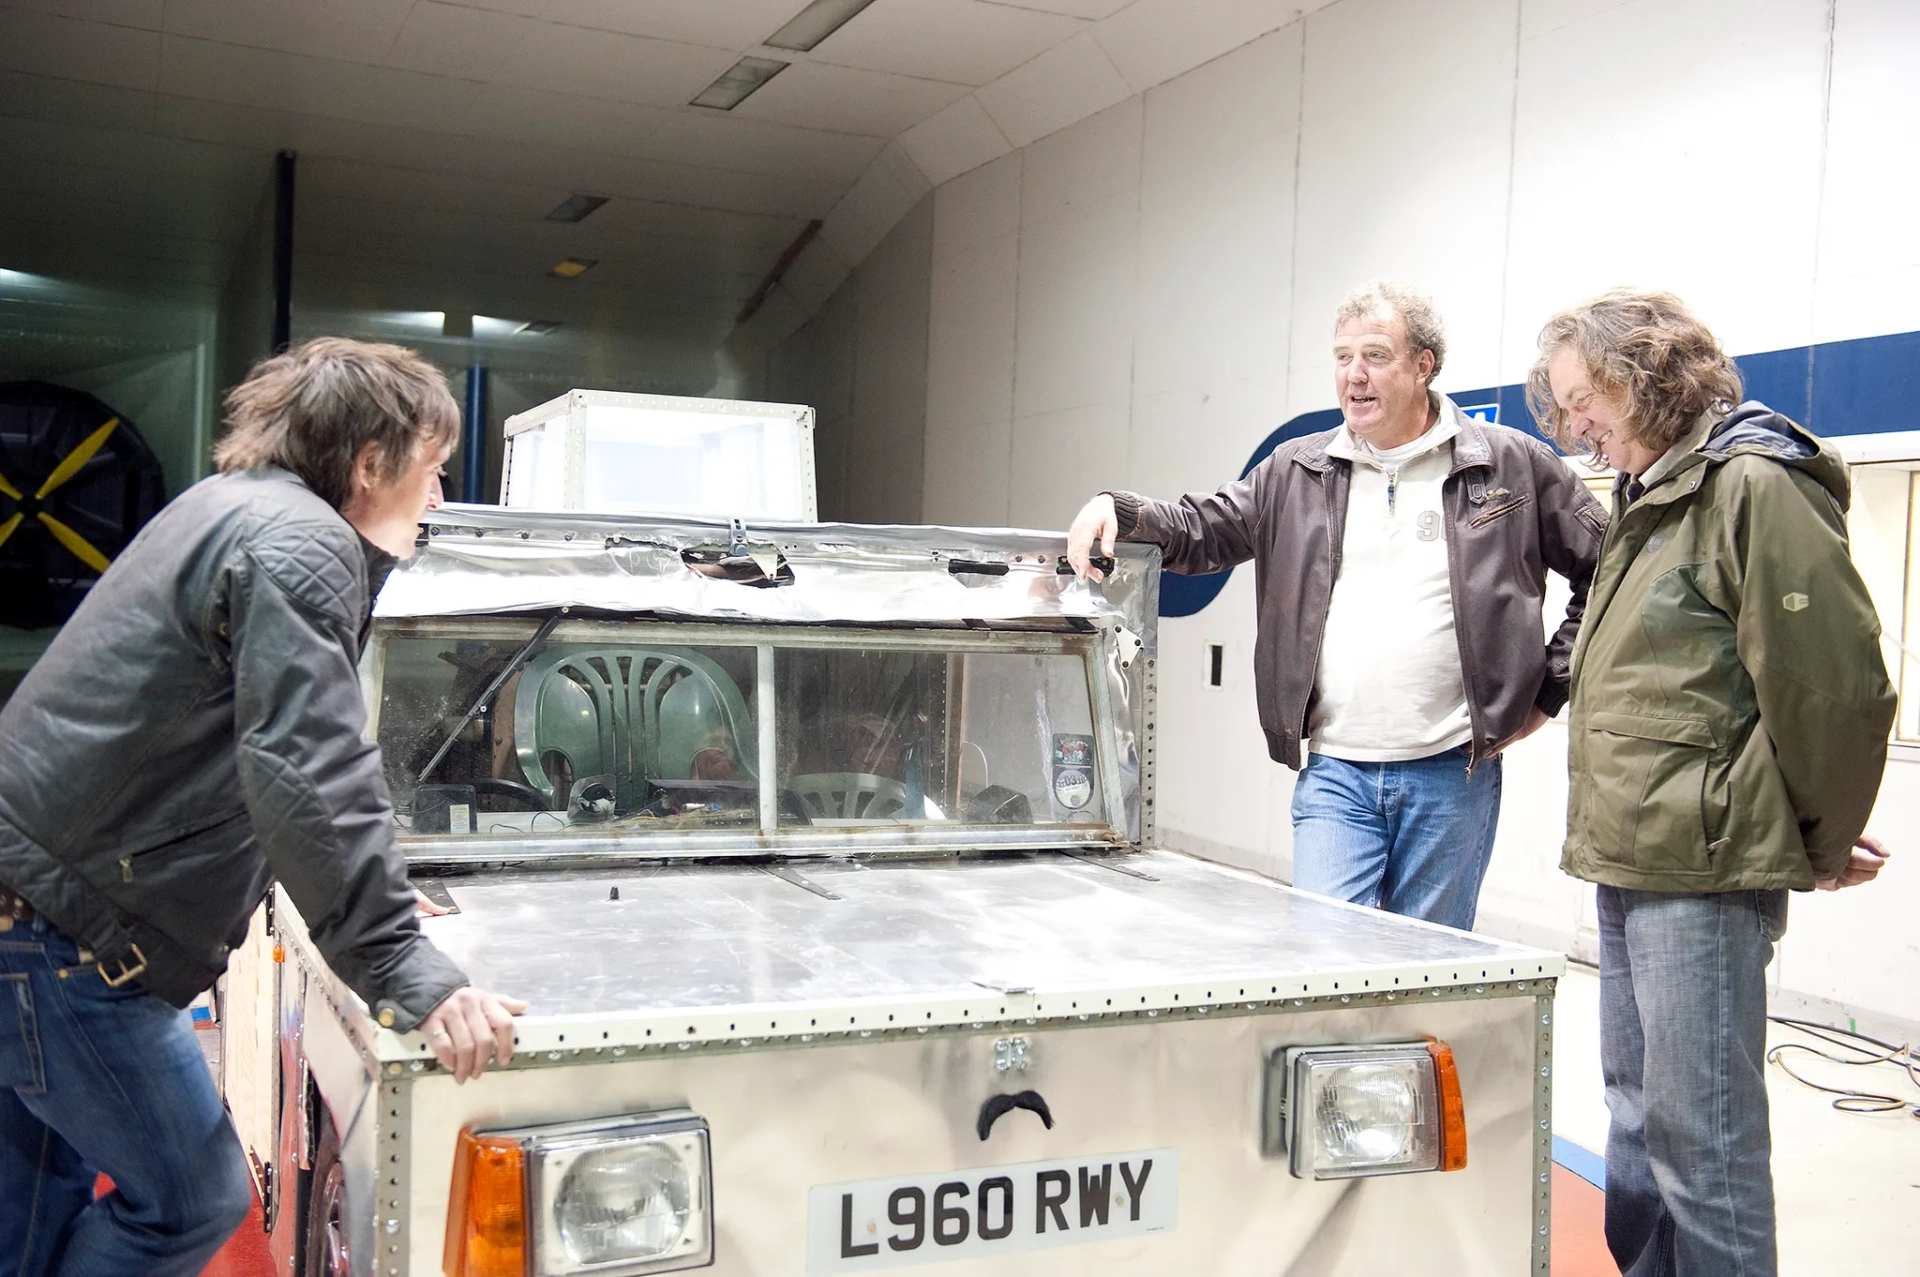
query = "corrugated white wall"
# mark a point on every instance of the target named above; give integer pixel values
(1140, 298)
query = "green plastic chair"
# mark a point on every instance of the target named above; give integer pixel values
(631, 713)
(829, 796)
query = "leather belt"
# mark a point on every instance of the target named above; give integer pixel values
(13, 909)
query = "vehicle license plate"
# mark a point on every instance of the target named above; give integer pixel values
(988, 1211)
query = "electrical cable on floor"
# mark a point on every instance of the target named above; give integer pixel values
(1902, 1057)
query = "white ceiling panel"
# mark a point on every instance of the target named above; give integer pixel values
(883, 195)
(965, 41)
(957, 140)
(42, 233)
(73, 49)
(447, 39)
(719, 188)
(145, 14)
(435, 135)
(351, 30)
(719, 24)
(624, 68)
(25, 142)
(564, 119)
(761, 146)
(766, 234)
(1151, 41)
(846, 100)
(314, 86)
(509, 161)
(1092, 9)
(814, 276)
(349, 179)
(101, 106)
(1066, 83)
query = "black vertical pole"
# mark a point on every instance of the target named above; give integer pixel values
(282, 250)
(473, 444)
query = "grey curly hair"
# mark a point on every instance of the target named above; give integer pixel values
(1416, 311)
(1645, 349)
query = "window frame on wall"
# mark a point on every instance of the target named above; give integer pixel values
(1883, 524)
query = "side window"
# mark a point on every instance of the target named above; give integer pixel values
(1884, 528)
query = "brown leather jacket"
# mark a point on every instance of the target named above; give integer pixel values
(1514, 509)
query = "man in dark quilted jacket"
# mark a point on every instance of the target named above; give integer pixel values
(195, 733)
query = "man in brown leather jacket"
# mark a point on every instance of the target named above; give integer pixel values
(1400, 571)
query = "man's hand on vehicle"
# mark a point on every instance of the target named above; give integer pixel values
(469, 1028)
(1096, 523)
(1862, 866)
(427, 907)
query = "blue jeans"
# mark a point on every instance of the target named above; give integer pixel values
(96, 1079)
(1411, 838)
(1683, 1039)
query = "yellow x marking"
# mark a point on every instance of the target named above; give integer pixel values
(69, 466)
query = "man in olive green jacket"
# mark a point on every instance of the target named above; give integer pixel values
(1728, 723)
(1732, 725)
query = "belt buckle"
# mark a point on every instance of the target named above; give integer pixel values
(126, 972)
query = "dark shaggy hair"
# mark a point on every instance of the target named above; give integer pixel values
(1646, 350)
(312, 409)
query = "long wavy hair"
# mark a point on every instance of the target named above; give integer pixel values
(313, 409)
(1646, 350)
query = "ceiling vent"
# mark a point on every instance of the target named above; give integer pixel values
(576, 208)
(815, 23)
(738, 82)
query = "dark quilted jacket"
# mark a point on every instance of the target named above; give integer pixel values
(196, 732)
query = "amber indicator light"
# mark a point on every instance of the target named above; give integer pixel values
(1453, 1110)
(487, 1209)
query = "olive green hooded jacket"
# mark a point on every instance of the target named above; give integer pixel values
(1730, 707)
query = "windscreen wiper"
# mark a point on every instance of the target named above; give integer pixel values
(486, 696)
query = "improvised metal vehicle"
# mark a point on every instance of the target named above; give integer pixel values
(825, 855)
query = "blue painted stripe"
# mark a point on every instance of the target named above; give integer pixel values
(1870, 385)
(1590, 1167)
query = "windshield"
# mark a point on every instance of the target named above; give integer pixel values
(492, 727)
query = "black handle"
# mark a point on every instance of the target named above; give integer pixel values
(991, 1111)
(975, 567)
(1104, 562)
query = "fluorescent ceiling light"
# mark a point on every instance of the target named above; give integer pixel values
(538, 327)
(572, 267)
(435, 319)
(576, 208)
(738, 82)
(815, 23)
(23, 280)
(492, 326)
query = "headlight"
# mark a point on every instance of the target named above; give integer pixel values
(615, 1197)
(1341, 1111)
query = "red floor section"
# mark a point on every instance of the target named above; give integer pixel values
(246, 1254)
(1579, 1239)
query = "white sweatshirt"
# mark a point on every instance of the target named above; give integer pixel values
(1389, 683)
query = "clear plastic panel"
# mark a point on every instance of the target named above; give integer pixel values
(917, 737)
(593, 730)
(586, 735)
